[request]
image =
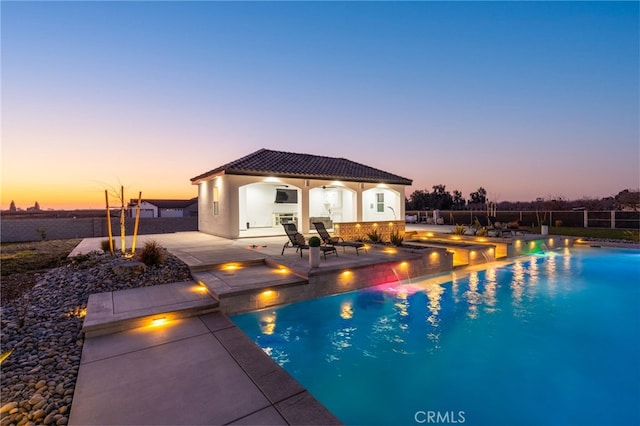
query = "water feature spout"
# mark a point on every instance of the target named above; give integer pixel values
(395, 272)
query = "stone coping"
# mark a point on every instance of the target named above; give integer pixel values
(465, 245)
(590, 243)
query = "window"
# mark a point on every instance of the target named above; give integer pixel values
(380, 202)
(216, 201)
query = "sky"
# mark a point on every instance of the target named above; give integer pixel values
(524, 99)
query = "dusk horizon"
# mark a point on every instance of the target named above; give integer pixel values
(527, 100)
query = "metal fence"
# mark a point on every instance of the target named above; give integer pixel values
(613, 219)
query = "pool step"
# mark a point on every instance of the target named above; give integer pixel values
(116, 311)
(248, 287)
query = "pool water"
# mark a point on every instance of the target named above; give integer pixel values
(547, 340)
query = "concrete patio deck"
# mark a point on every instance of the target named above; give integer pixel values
(191, 371)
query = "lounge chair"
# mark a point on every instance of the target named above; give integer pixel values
(337, 241)
(297, 240)
(498, 229)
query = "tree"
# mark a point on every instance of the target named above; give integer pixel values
(12, 206)
(441, 198)
(36, 207)
(628, 199)
(478, 198)
(458, 200)
(419, 200)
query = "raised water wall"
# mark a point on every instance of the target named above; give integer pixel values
(327, 281)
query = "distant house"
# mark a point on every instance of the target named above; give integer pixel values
(164, 208)
(254, 195)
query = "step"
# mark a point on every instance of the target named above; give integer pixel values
(116, 311)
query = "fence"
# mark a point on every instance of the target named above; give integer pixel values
(613, 219)
(22, 229)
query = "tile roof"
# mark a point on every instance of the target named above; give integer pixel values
(265, 162)
(166, 204)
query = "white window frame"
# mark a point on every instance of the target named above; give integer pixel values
(380, 202)
(216, 201)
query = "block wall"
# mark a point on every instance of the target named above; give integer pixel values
(22, 230)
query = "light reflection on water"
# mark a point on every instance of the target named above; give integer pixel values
(516, 334)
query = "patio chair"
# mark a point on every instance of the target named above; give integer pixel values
(337, 241)
(499, 229)
(297, 240)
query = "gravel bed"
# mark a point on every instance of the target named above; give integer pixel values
(38, 378)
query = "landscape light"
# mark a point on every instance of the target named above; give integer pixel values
(158, 321)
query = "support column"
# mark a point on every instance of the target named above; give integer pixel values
(303, 223)
(359, 206)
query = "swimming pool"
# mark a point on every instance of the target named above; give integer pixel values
(549, 339)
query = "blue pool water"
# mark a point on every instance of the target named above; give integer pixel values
(551, 339)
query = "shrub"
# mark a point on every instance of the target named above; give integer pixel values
(104, 245)
(631, 235)
(374, 236)
(459, 229)
(314, 242)
(152, 254)
(42, 232)
(396, 238)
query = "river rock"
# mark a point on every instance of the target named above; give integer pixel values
(8, 407)
(41, 373)
(49, 419)
(38, 414)
(127, 268)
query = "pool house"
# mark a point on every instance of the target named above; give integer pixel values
(254, 195)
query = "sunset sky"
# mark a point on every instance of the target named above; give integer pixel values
(527, 99)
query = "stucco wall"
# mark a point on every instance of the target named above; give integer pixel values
(234, 213)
